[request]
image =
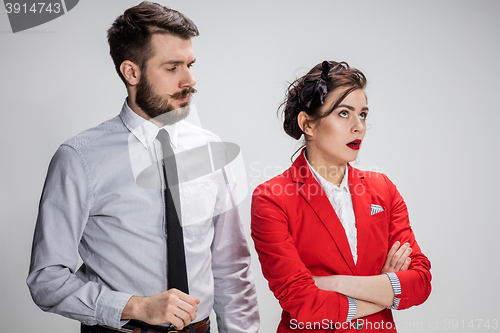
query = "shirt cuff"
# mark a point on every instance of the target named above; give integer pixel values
(396, 287)
(353, 308)
(110, 307)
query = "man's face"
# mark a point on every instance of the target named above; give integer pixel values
(167, 82)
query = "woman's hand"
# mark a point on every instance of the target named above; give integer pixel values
(375, 289)
(398, 258)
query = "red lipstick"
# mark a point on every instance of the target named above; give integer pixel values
(354, 144)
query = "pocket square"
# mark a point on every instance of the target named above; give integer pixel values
(376, 209)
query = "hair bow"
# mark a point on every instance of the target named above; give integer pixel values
(315, 87)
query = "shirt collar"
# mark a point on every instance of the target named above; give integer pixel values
(328, 186)
(144, 130)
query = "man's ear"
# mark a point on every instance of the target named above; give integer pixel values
(305, 123)
(131, 72)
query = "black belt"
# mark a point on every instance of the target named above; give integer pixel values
(136, 326)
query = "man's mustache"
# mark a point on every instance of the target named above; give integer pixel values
(183, 93)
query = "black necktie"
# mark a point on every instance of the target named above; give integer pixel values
(177, 274)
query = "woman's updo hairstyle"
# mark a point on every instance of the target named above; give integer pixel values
(308, 92)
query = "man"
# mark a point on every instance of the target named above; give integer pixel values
(111, 198)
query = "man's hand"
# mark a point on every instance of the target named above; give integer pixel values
(398, 258)
(172, 306)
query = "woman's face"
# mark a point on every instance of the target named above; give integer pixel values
(336, 139)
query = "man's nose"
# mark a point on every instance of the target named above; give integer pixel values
(188, 80)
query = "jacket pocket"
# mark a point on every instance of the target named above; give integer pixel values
(375, 218)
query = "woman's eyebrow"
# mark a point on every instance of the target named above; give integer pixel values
(350, 107)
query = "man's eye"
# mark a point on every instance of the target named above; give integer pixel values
(171, 69)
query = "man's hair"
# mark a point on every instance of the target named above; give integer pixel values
(129, 37)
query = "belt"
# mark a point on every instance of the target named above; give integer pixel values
(136, 326)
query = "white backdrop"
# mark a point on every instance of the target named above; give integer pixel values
(433, 70)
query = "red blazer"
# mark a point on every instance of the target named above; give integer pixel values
(297, 234)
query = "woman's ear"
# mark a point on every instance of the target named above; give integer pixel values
(304, 122)
(130, 72)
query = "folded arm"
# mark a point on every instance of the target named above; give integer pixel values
(289, 278)
(376, 289)
(411, 278)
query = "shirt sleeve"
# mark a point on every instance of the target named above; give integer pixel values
(235, 296)
(353, 308)
(289, 278)
(63, 213)
(396, 288)
(415, 283)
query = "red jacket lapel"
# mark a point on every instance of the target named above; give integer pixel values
(361, 201)
(313, 194)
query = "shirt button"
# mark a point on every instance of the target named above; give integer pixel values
(359, 325)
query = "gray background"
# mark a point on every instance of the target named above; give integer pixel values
(433, 70)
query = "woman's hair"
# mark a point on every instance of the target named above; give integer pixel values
(308, 92)
(129, 37)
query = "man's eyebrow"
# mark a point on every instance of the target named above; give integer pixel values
(173, 62)
(177, 62)
(350, 107)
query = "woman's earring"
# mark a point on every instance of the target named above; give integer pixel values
(307, 129)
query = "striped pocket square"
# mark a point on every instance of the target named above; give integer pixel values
(376, 209)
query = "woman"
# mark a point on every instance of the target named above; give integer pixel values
(335, 242)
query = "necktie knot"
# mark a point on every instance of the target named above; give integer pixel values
(164, 139)
(168, 157)
(163, 136)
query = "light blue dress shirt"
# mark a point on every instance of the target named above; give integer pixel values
(92, 207)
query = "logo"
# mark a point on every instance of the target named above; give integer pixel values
(212, 171)
(28, 14)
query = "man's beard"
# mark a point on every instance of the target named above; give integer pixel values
(158, 107)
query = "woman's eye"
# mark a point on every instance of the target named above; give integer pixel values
(363, 115)
(172, 69)
(344, 114)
